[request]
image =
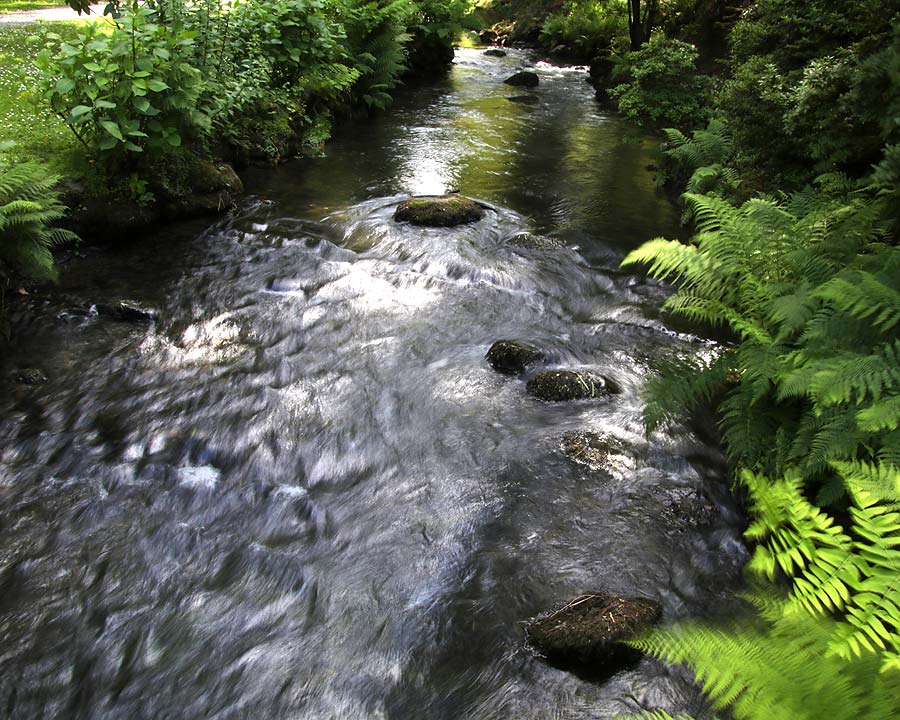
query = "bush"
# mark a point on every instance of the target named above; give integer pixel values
(586, 29)
(662, 86)
(126, 90)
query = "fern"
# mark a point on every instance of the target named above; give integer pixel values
(807, 286)
(29, 205)
(776, 667)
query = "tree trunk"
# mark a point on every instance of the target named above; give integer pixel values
(635, 31)
(640, 25)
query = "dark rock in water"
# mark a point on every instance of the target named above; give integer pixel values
(525, 99)
(590, 448)
(687, 509)
(125, 311)
(30, 376)
(590, 628)
(494, 52)
(439, 211)
(530, 241)
(512, 357)
(526, 78)
(561, 385)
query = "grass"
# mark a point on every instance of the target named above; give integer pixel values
(7, 6)
(36, 133)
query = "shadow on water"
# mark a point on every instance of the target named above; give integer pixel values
(303, 493)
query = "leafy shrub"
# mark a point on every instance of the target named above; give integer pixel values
(814, 87)
(128, 89)
(433, 27)
(663, 87)
(585, 28)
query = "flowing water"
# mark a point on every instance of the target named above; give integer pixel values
(303, 493)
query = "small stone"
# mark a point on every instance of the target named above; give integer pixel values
(562, 385)
(512, 357)
(439, 210)
(590, 628)
(526, 78)
(530, 241)
(590, 448)
(494, 52)
(30, 376)
(525, 99)
(125, 311)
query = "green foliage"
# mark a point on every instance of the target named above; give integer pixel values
(662, 86)
(585, 28)
(266, 77)
(702, 162)
(29, 205)
(806, 285)
(778, 667)
(125, 90)
(814, 85)
(852, 576)
(828, 649)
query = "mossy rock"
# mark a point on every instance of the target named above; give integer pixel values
(494, 52)
(526, 78)
(512, 357)
(590, 628)
(590, 448)
(530, 241)
(562, 385)
(439, 211)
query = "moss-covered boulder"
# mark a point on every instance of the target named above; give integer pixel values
(525, 78)
(512, 357)
(590, 448)
(494, 52)
(530, 241)
(590, 628)
(439, 211)
(562, 385)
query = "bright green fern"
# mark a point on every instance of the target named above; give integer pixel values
(29, 206)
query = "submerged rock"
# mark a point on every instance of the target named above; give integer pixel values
(30, 376)
(687, 509)
(494, 52)
(525, 99)
(125, 311)
(590, 628)
(439, 210)
(525, 78)
(531, 241)
(512, 357)
(561, 385)
(590, 448)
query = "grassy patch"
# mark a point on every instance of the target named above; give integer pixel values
(7, 6)
(37, 134)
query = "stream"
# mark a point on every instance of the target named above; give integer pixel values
(303, 493)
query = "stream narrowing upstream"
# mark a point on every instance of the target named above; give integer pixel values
(303, 493)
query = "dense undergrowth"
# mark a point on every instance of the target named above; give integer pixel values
(805, 279)
(136, 105)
